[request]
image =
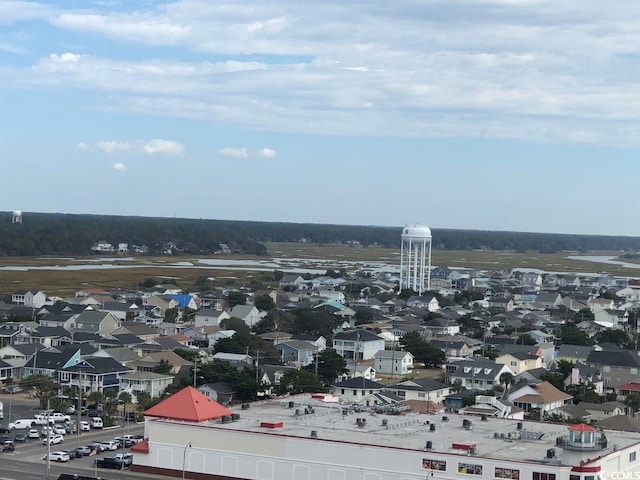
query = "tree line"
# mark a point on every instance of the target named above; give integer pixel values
(71, 234)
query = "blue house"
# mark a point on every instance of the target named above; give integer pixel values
(297, 351)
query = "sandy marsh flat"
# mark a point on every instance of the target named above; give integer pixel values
(65, 275)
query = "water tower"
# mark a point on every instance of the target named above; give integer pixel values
(415, 258)
(16, 217)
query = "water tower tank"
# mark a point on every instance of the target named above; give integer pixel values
(415, 258)
(415, 231)
(16, 216)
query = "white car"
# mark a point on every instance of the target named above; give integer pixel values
(85, 426)
(59, 429)
(109, 444)
(53, 440)
(58, 457)
(33, 433)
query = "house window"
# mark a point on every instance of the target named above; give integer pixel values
(606, 369)
(342, 392)
(489, 382)
(632, 457)
(439, 465)
(543, 476)
(469, 468)
(634, 371)
(422, 394)
(355, 393)
(513, 364)
(507, 473)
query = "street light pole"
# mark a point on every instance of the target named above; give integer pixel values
(184, 459)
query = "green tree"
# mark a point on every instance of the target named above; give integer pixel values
(554, 378)
(617, 337)
(124, 397)
(422, 350)
(150, 282)
(163, 367)
(236, 298)
(170, 315)
(572, 335)
(264, 303)
(564, 367)
(300, 381)
(457, 386)
(526, 339)
(633, 401)
(43, 387)
(330, 365)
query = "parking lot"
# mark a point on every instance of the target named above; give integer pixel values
(33, 450)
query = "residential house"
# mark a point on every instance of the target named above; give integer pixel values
(358, 370)
(357, 344)
(519, 362)
(102, 323)
(356, 390)
(151, 383)
(582, 374)
(574, 353)
(477, 373)
(234, 359)
(442, 327)
(218, 392)
(123, 311)
(451, 347)
(159, 304)
(150, 361)
(617, 367)
(503, 303)
(49, 360)
(6, 371)
(612, 318)
(427, 302)
(297, 352)
(602, 411)
(317, 340)
(427, 389)
(247, 313)
(393, 362)
(549, 299)
(542, 337)
(10, 331)
(597, 304)
(28, 298)
(542, 398)
(270, 377)
(289, 280)
(93, 374)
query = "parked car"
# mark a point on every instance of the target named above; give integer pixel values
(58, 456)
(84, 450)
(59, 429)
(4, 429)
(53, 440)
(72, 453)
(20, 437)
(109, 462)
(8, 446)
(85, 426)
(109, 444)
(137, 438)
(33, 433)
(126, 458)
(98, 447)
(4, 439)
(71, 410)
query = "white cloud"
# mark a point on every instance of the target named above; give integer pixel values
(234, 152)
(119, 167)
(83, 146)
(17, 11)
(114, 147)
(266, 153)
(533, 70)
(164, 147)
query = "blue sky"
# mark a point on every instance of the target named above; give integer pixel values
(473, 114)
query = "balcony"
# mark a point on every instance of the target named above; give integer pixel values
(567, 442)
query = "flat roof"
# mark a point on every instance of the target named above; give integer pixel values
(492, 438)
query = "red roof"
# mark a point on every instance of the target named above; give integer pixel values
(189, 405)
(635, 386)
(141, 447)
(581, 427)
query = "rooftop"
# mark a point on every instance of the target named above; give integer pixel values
(301, 415)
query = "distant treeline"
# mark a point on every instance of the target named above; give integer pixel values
(65, 234)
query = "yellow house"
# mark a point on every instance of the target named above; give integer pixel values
(520, 361)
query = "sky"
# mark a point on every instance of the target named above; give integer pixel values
(516, 115)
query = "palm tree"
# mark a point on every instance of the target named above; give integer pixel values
(506, 379)
(633, 401)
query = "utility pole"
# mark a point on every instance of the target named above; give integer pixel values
(195, 368)
(257, 364)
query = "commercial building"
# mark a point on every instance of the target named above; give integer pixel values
(313, 437)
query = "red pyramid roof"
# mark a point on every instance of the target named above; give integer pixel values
(581, 427)
(189, 405)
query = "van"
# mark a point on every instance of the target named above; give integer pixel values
(96, 422)
(21, 424)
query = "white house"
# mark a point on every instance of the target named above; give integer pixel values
(29, 298)
(357, 344)
(393, 362)
(206, 317)
(247, 313)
